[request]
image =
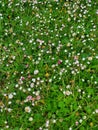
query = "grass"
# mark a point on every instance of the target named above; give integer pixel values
(48, 65)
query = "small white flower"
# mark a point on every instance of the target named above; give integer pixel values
(9, 102)
(70, 128)
(32, 85)
(90, 58)
(29, 89)
(96, 110)
(9, 109)
(50, 80)
(16, 85)
(47, 123)
(36, 72)
(96, 57)
(5, 122)
(79, 90)
(68, 86)
(80, 120)
(10, 96)
(54, 121)
(84, 117)
(7, 126)
(97, 12)
(67, 93)
(93, 112)
(27, 109)
(30, 119)
(37, 93)
(33, 80)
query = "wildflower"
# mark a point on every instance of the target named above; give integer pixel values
(90, 58)
(68, 86)
(10, 96)
(32, 85)
(9, 109)
(38, 97)
(84, 117)
(59, 62)
(29, 98)
(30, 119)
(33, 79)
(76, 57)
(36, 72)
(47, 123)
(33, 99)
(22, 78)
(80, 120)
(29, 76)
(7, 126)
(27, 109)
(76, 123)
(26, 65)
(96, 110)
(54, 121)
(40, 41)
(67, 93)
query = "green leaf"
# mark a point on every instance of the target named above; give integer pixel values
(61, 104)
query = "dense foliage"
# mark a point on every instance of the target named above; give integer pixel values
(48, 65)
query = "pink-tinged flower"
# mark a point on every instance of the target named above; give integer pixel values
(33, 99)
(27, 65)
(29, 98)
(29, 76)
(40, 41)
(59, 62)
(22, 78)
(76, 57)
(76, 123)
(38, 97)
(39, 46)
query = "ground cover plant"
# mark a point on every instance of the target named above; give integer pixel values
(48, 65)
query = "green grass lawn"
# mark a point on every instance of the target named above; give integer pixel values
(48, 65)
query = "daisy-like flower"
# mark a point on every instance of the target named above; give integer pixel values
(10, 96)
(67, 93)
(33, 80)
(36, 72)
(30, 119)
(59, 61)
(29, 98)
(32, 85)
(27, 109)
